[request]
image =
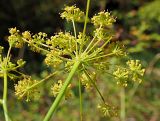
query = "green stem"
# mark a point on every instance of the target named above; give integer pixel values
(74, 28)
(123, 112)
(5, 97)
(75, 34)
(62, 92)
(46, 51)
(80, 101)
(95, 86)
(5, 87)
(38, 83)
(90, 44)
(102, 56)
(85, 24)
(1, 101)
(106, 42)
(86, 18)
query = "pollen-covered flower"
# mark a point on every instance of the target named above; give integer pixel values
(26, 35)
(72, 13)
(53, 59)
(63, 41)
(15, 39)
(136, 70)
(13, 30)
(121, 75)
(103, 19)
(36, 41)
(119, 51)
(23, 90)
(107, 110)
(20, 62)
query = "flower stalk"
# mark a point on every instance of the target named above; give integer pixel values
(5, 97)
(122, 111)
(62, 92)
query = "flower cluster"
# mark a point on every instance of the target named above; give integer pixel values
(122, 76)
(103, 19)
(71, 13)
(107, 110)
(7, 65)
(23, 89)
(53, 59)
(36, 41)
(136, 70)
(133, 71)
(15, 39)
(63, 41)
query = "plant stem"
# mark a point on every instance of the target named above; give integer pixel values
(80, 101)
(102, 56)
(122, 112)
(1, 101)
(75, 34)
(74, 28)
(62, 92)
(85, 24)
(40, 82)
(95, 86)
(5, 86)
(5, 97)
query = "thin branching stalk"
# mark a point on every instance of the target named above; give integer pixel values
(80, 102)
(62, 92)
(85, 23)
(122, 111)
(90, 44)
(102, 56)
(95, 86)
(86, 18)
(40, 82)
(75, 34)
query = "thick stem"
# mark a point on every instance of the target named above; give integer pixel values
(5, 97)
(123, 112)
(62, 92)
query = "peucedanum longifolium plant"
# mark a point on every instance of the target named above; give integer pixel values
(76, 53)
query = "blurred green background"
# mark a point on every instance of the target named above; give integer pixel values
(137, 26)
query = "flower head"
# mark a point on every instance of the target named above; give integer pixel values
(22, 89)
(103, 19)
(72, 13)
(136, 70)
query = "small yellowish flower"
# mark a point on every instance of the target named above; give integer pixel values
(107, 110)
(23, 91)
(72, 13)
(103, 19)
